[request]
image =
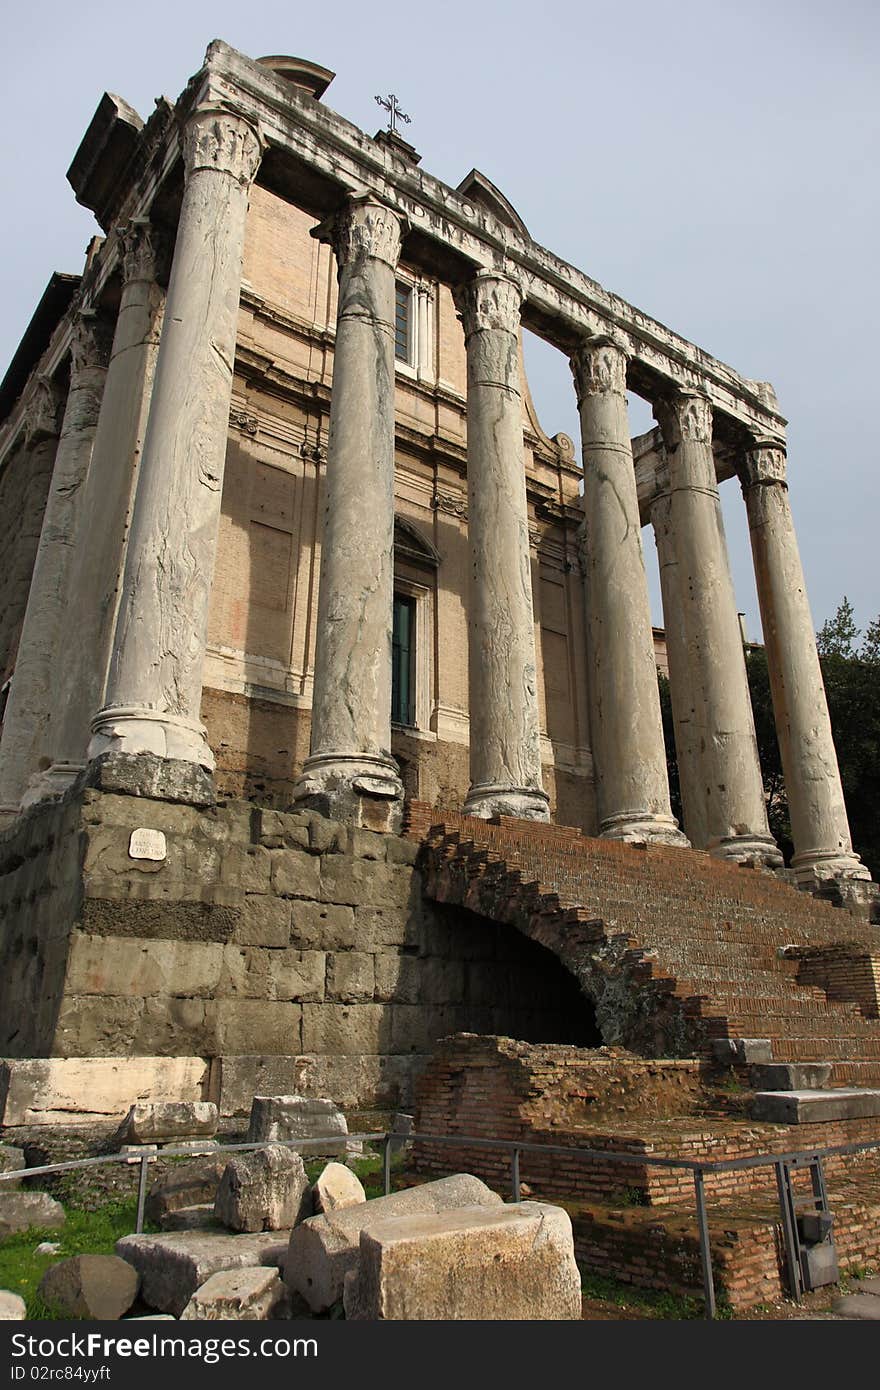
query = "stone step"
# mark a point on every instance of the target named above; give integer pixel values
(789, 1076)
(814, 1107)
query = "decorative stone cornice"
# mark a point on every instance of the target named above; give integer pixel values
(364, 228)
(144, 248)
(240, 419)
(489, 301)
(686, 415)
(763, 465)
(221, 140)
(453, 506)
(90, 344)
(598, 366)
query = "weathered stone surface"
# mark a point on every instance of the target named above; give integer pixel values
(296, 1117)
(324, 1248)
(241, 1295)
(296, 874)
(259, 1025)
(789, 1076)
(263, 1191)
(264, 921)
(810, 1107)
(515, 1263)
(351, 976)
(173, 1266)
(12, 1308)
(90, 1286)
(11, 1161)
(336, 1188)
(167, 1120)
(189, 1184)
(197, 1218)
(54, 1090)
(328, 926)
(246, 1076)
(19, 1211)
(858, 1305)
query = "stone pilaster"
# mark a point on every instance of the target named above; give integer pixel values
(682, 694)
(350, 773)
(820, 829)
(505, 748)
(153, 696)
(626, 729)
(99, 557)
(24, 745)
(731, 786)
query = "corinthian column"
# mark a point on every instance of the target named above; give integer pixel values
(731, 786)
(350, 773)
(99, 556)
(682, 693)
(24, 745)
(505, 748)
(154, 686)
(626, 728)
(820, 830)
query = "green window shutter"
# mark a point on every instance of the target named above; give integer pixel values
(402, 659)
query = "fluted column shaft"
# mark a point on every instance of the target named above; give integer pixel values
(99, 556)
(154, 686)
(24, 748)
(505, 748)
(350, 773)
(819, 825)
(626, 728)
(681, 690)
(731, 785)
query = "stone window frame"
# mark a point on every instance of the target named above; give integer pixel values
(415, 567)
(419, 364)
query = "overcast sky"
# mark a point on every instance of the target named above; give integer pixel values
(712, 161)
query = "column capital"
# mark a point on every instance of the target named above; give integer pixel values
(90, 344)
(598, 366)
(144, 249)
(685, 414)
(364, 228)
(763, 464)
(491, 300)
(43, 411)
(222, 141)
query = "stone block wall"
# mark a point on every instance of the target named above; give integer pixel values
(257, 934)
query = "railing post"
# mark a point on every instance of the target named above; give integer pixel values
(386, 1164)
(789, 1233)
(705, 1249)
(514, 1174)
(142, 1195)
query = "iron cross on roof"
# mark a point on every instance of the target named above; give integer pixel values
(392, 106)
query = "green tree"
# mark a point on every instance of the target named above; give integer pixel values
(838, 635)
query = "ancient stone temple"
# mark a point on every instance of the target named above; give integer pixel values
(331, 722)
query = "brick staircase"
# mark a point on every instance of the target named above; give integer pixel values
(696, 941)
(683, 957)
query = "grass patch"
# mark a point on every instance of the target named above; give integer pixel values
(650, 1303)
(85, 1233)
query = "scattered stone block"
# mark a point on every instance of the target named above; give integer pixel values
(12, 1307)
(101, 1287)
(297, 1117)
(730, 1051)
(263, 1191)
(324, 1248)
(199, 1218)
(47, 1247)
(173, 1266)
(189, 1184)
(815, 1107)
(513, 1263)
(166, 1121)
(241, 1295)
(11, 1161)
(858, 1305)
(19, 1211)
(337, 1188)
(789, 1076)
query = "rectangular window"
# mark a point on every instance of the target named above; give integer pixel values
(403, 650)
(402, 322)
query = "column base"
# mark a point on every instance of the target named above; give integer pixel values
(759, 851)
(487, 800)
(51, 784)
(357, 789)
(815, 869)
(136, 729)
(644, 827)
